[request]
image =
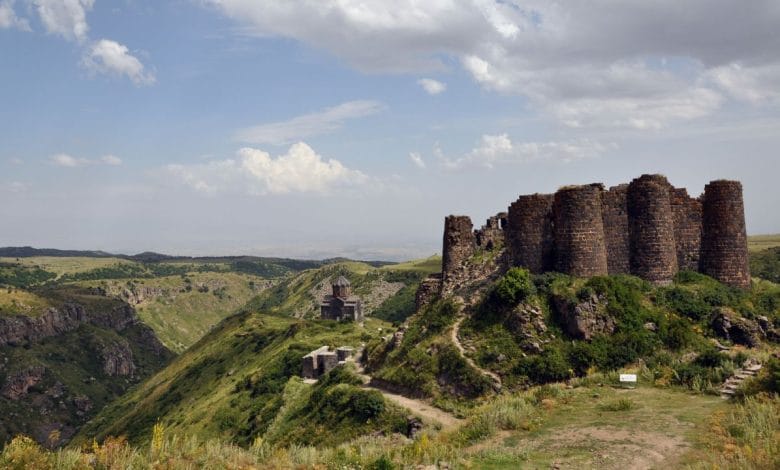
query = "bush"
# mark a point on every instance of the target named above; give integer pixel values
(623, 404)
(514, 287)
(550, 366)
(366, 404)
(685, 302)
(676, 334)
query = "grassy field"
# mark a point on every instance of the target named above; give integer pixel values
(20, 302)
(426, 265)
(61, 266)
(762, 242)
(184, 308)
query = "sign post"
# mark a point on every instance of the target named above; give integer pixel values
(628, 380)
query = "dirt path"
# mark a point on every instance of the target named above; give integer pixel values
(426, 411)
(456, 340)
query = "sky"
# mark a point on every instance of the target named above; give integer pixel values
(320, 128)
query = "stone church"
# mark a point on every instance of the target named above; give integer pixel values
(341, 305)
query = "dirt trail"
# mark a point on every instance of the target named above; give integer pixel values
(456, 340)
(426, 411)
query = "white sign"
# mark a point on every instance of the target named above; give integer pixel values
(628, 377)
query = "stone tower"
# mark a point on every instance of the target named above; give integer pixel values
(342, 288)
(529, 232)
(651, 229)
(579, 231)
(459, 241)
(724, 253)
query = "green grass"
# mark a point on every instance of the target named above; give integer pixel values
(21, 302)
(762, 242)
(183, 313)
(427, 265)
(63, 266)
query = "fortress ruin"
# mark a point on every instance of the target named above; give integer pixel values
(647, 228)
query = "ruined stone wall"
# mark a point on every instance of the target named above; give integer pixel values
(651, 228)
(529, 232)
(459, 242)
(686, 212)
(429, 289)
(579, 231)
(491, 234)
(614, 214)
(724, 254)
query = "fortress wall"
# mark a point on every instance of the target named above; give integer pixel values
(492, 233)
(651, 229)
(724, 254)
(614, 213)
(579, 231)
(686, 212)
(429, 289)
(529, 234)
(459, 242)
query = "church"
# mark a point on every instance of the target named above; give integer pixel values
(341, 305)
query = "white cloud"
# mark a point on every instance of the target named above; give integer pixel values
(65, 160)
(66, 18)
(69, 161)
(417, 159)
(431, 86)
(600, 63)
(300, 170)
(8, 18)
(498, 149)
(111, 58)
(112, 160)
(307, 125)
(757, 85)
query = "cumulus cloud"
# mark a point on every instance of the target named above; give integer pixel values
(66, 18)
(111, 58)
(69, 161)
(417, 159)
(8, 18)
(307, 125)
(624, 64)
(431, 86)
(300, 170)
(497, 149)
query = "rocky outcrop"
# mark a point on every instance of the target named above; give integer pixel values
(727, 324)
(16, 385)
(527, 323)
(23, 330)
(117, 359)
(584, 319)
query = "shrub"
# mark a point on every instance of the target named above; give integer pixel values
(685, 302)
(623, 404)
(366, 404)
(550, 366)
(514, 287)
(676, 334)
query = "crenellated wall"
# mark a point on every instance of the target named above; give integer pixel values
(579, 231)
(724, 254)
(651, 229)
(529, 232)
(647, 228)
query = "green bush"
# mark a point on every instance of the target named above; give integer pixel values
(550, 366)
(685, 302)
(366, 404)
(514, 287)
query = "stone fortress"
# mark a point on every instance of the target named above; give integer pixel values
(647, 228)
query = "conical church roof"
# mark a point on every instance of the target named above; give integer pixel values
(342, 282)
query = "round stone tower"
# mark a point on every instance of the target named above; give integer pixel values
(459, 241)
(651, 227)
(579, 231)
(724, 253)
(529, 234)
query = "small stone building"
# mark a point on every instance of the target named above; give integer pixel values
(321, 361)
(341, 304)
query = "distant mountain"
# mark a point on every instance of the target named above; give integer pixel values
(28, 252)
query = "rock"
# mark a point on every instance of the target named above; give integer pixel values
(501, 358)
(650, 326)
(117, 359)
(413, 426)
(585, 319)
(740, 330)
(83, 404)
(17, 385)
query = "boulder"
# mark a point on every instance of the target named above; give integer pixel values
(17, 384)
(584, 319)
(729, 325)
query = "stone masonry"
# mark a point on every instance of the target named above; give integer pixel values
(724, 253)
(647, 228)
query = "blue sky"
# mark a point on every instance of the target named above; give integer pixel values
(319, 128)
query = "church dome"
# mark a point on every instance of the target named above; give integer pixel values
(342, 282)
